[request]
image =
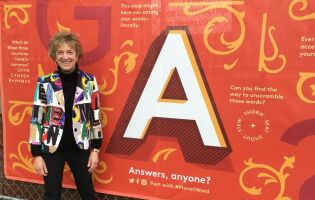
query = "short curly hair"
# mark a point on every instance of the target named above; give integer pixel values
(64, 37)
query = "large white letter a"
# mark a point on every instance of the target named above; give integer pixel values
(176, 55)
(171, 98)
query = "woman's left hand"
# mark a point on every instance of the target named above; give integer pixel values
(93, 161)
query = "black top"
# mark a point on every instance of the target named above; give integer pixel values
(69, 82)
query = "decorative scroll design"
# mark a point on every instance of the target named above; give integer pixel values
(303, 77)
(17, 118)
(273, 176)
(104, 116)
(304, 4)
(230, 46)
(62, 28)
(24, 162)
(263, 58)
(129, 65)
(230, 66)
(101, 169)
(165, 152)
(12, 11)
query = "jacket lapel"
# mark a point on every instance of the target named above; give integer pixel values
(82, 94)
(57, 88)
(79, 91)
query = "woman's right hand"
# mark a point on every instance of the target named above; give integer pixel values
(40, 166)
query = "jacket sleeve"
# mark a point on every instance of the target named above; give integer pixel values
(38, 114)
(96, 129)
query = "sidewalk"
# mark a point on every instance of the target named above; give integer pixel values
(8, 198)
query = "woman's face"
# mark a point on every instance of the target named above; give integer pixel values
(66, 58)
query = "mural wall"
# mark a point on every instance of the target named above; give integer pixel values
(199, 99)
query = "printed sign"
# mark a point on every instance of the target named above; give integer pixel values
(199, 99)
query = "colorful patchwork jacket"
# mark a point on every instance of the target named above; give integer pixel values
(48, 115)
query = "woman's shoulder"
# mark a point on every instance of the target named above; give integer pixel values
(86, 75)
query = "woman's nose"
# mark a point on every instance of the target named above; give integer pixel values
(64, 55)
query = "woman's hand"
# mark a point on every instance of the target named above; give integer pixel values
(40, 166)
(93, 161)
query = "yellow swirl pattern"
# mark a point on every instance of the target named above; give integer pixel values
(230, 66)
(24, 162)
(129, 65)
(230, 46)
(11, 11)
(17, 118)
(98, 171)
(263, 58)
(104, 116)
(303, 77)
(304, 4)
(273, 176)
(62, 28)
(165, 152)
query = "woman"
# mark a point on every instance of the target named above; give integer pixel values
(65, 124)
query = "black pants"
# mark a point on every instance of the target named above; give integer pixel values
(77, 161)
